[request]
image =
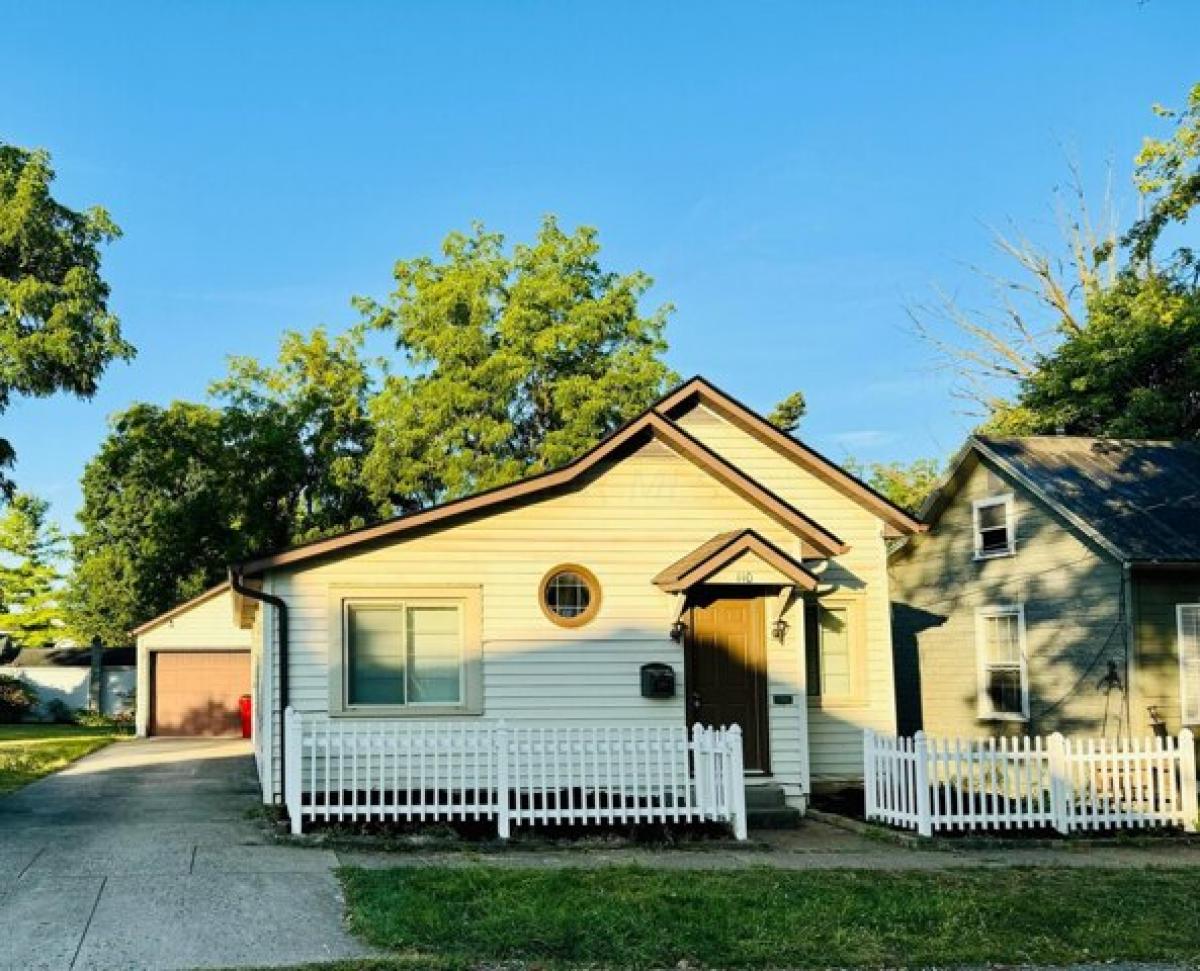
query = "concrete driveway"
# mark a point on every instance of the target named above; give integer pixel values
(146, 855)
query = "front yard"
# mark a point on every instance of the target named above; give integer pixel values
(28, 752)
(457, 918)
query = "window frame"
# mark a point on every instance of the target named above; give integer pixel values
(1186, 717)
(589, 579)
(983, 699)
(1007, 500)
(856, 641)
(468, 600)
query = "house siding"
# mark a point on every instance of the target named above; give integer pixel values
(624, 524)
(1073, 596)
(208, 626)
(1156, 595)
(835, 734)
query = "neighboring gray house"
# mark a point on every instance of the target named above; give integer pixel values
(1057, 589)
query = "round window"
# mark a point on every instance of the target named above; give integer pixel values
(570, 595)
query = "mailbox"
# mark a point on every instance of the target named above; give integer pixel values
(658, 681)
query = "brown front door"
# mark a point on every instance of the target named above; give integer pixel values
(197, 692)
(725, 667)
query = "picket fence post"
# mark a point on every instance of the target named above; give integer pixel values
(1187, 779)
(503, 815)
(921, 781)
(293, 738)
(869, 794)
(1060, 788)
(735, 781)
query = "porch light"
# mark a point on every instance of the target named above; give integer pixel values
(779, 629)
(678, 629)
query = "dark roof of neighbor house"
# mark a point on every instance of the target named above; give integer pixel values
(71, 657)
(1140, 499)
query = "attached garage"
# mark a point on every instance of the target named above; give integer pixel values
(194, 664)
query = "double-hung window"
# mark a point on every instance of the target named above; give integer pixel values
(410, 654)
(1188, 620)
(1003, 673)
(995, 527)
(833, 651)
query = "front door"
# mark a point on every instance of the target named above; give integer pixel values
(725, 667)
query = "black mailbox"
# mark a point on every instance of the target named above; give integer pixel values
(658, 681)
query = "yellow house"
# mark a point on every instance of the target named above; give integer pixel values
(697, 567)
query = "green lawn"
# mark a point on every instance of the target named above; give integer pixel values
(763, 918)
(28, 752)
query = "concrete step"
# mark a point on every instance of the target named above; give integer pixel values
(783, 817)
(769, 796)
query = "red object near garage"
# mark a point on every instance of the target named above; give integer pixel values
(245, 710)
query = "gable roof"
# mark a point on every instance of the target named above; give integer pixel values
(708, 558)
(650, 425)
(699, 390)
(1139, 499)
(182, 608)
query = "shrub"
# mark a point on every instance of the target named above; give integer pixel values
(93, 719)
(60, 712)
(17, 699)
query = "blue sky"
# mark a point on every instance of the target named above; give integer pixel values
(792, 175)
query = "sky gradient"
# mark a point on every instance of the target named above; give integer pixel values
(792, 175)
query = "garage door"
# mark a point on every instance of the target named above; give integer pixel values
(197, 692)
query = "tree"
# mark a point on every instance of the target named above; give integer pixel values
(174, 495)
(908, 486)
(56, 331)
(519, 362)
(1108, 341)
(30, 549)
(787, 415)
(315, 399)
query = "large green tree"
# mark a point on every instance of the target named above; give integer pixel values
(56, 331)
(174, 495)
(31, 548)
(517, 360)
(1105, 340)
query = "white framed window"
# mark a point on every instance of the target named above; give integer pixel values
(995, 525)
(1003, 671)
(834, 650)
(1187, 617)
(404, 652)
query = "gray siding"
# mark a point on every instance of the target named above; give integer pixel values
(1072, 595)
(1156, 594)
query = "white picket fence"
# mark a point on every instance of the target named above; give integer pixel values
(931, 784)
(345, 769)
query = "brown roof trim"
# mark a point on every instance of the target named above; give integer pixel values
(182, 608)
(732, 410)
(723, 549)
(649, 425)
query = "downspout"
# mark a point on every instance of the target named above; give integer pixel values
(238, 586)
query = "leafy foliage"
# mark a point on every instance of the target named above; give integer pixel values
(908, 486)
(30, 548)
(519, 362)
(1107, 342)
(56, 331)
(787, 415)
(17, 699)
(174, 495)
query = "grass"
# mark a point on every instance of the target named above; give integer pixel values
(624, 917)
(28, 752)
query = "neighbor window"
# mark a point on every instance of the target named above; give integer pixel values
(410, 653)
(1003, 675)
(831, 651)
(1188, 617)
(995, 527)
(569, 595)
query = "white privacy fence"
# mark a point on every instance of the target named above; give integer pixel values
(931, 784)
(343, 769)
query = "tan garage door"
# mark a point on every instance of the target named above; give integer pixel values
(197, 692)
